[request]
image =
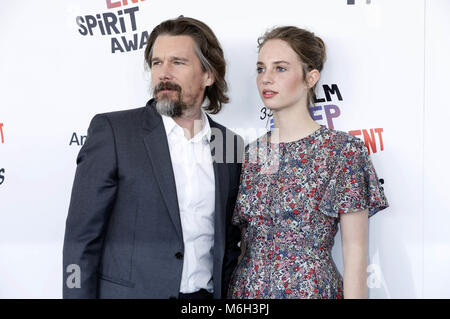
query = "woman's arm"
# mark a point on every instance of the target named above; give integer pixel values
(242, 245)
(354, 230)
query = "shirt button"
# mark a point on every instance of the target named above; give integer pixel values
(179, 255)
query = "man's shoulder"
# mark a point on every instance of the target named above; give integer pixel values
(123, 114)
(225, 130)
(229, 138)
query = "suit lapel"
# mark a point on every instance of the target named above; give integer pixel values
(155, 140)
(221, 177)
(221, 192)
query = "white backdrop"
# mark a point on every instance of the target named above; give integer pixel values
(388, 60)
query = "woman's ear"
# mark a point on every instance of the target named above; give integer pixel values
(312, 77)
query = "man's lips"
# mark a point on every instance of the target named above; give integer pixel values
(166, 91)
(268, 94)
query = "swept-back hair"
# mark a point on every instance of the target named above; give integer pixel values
(208, 50)
(309, 48)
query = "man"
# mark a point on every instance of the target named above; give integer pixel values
(155, 187)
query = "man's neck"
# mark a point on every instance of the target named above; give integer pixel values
(190, 121)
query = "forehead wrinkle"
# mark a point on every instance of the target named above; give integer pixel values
(166, 44)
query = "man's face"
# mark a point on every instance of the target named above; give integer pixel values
(177, 77)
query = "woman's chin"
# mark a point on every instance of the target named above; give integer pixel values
(273, 106)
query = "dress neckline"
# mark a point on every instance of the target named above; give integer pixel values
(308, 137)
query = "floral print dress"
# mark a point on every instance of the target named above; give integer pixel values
(289, 201)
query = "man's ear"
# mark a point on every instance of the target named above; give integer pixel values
(208, 79)
(312, 77)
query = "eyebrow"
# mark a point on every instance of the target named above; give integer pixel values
(178, 58)
(276, 62)
(173, 58)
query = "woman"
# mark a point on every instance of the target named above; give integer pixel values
(298, 184)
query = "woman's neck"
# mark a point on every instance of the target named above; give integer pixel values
(293, 123)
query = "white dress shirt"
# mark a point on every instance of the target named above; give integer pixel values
(194, 179)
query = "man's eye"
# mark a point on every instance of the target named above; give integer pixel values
(179, 62)
(156, 63)
(259, 70)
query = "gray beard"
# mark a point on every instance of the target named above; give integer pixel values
(168, 107)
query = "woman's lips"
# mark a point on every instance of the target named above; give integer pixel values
(269, 94)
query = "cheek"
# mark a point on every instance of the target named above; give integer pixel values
(154, 78)
(191, 88)
(190, 81)
(294, 85)
(259, 82)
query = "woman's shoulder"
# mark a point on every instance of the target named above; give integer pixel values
(258, 142)
(341, 141)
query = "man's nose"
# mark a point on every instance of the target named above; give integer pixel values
(165, 73)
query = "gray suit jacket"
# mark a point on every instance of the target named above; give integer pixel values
(123, 229)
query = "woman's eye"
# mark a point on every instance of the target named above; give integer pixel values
(280, 69)
(259, 70)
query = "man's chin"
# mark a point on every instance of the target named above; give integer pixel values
(165, 101)
(168, 107)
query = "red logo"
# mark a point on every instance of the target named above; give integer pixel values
(370, 139)
(1, 133)
(116, 4)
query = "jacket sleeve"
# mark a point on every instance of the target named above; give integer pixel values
(232, 250)
(92, 199)
(233, 233)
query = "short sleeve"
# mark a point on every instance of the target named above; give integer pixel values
(354, 184)
(238, 214)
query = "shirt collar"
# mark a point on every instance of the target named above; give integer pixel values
(172, 127)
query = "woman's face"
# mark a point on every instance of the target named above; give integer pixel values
(280, 78)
